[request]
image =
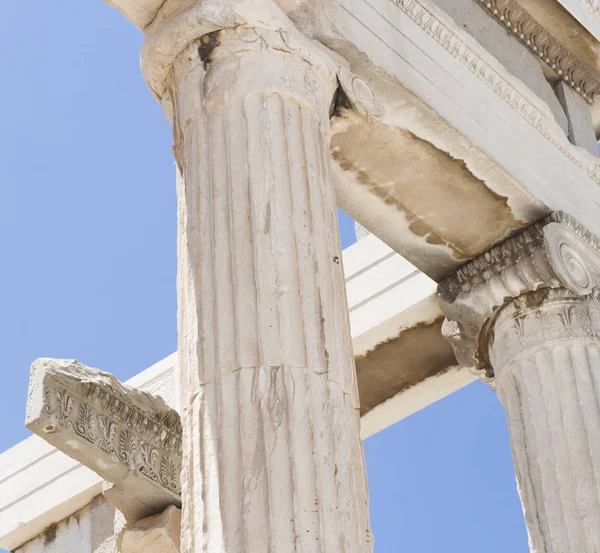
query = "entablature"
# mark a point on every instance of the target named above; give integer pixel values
(452, 132)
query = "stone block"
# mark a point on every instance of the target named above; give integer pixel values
(579, 116)
(130, 438)
(156, 534)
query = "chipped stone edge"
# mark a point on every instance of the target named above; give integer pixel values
(126, 436)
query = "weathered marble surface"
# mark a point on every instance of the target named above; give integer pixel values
(269, 395)
(156, 534)
(130, 438)
(469, 130)
(93, 529)
(556, 252)
(545, 351)
(391, 306)
(581, 129)
(526, 316)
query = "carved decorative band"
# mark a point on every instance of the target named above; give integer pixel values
(543, 45)
(115, 430)
(543, 318)
(509, 253)
(160, 427)
(498, 83)
(452, 43)
(146, 446)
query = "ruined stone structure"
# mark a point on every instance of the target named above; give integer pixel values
(461, 135)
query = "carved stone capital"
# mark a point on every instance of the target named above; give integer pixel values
(203, 27)
(540, 319)
(130, 438)
(556, 252)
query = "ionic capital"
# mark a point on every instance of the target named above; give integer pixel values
(555, 253)
(542, 319)
(207, 25)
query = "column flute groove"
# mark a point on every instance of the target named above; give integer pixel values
(269, 401)
(545, 335)
(525, 316)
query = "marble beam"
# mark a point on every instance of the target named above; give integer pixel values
(130, 438)
(526, 317)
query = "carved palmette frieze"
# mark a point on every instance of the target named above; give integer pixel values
(555, 253)
(425, 17)
(158, 463)
(542, 319)
(139, 431)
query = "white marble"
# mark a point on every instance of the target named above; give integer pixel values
(93, 529)
(526, 317)
(160, 533)
(269, 396)
(40, 485)
(545, 351)
(581, 128)
(129, 437)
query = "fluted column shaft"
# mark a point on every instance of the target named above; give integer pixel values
(545, 352)
(273, 460)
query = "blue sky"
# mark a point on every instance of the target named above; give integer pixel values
(87, 231)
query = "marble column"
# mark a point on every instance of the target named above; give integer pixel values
(545, 350)
(272, 453)
(526, 317)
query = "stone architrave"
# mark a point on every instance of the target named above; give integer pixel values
(271, 435)
(130, 438)
(526, 317)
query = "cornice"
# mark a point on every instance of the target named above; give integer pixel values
(130, 438)
(543, 45)
(557, 252)
(536, 38)
(505, 87)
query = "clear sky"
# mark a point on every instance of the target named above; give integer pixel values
(87, 232)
